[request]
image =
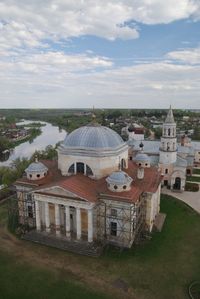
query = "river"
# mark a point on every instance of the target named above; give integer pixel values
(50, 136)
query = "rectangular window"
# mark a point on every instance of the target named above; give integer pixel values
(113, 212)
(30, 211)
(166, 170)
(113, 229)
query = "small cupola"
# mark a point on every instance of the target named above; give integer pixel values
(36, 170)
(119, 181)
(142, 161)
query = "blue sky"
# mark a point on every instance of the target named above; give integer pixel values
(102, 53)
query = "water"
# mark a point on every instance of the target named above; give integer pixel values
(50, 136)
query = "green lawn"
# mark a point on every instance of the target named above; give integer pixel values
(25, 281)
(193, 178)
(160, 269)
(196, 171)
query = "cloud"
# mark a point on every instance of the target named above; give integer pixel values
(155, 84)
(188, 56)
(28, 23)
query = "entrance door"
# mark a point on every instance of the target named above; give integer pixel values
(177, 185)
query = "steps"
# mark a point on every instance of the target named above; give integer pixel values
(79, 247)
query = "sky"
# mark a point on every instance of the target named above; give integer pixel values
(101, 53)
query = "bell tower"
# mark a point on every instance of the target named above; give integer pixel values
(168, 146)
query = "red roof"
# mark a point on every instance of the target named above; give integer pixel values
(90, 189)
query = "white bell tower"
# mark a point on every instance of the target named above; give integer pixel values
(168, 147)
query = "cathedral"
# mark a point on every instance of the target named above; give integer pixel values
(94, 194)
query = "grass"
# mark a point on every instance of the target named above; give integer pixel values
(196, 171)
(193, 178)
(161, 268)
(24, 281)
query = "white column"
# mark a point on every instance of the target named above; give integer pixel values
(75, 168)
(78, 223)
(37, 215)
(47, 221)
(67, 221)
(84, 168)
(90, 226)
(57, 219)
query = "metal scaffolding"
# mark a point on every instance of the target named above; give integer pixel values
(120, 225)
(21, 212)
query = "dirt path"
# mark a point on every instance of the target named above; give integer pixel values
(76, 268)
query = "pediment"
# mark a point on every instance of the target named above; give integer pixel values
(58, 191)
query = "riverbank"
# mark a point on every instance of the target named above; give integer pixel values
(34, 132)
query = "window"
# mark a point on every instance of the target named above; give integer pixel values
(124, 187)
(166, 170)
(30, 175)
(38, 175)
(113, 212)
(113, 229)
(146, 164)
(139, 164)
(169, 132)
(115, 187)
(30, 211)
(71, 169)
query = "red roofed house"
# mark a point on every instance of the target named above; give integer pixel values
(91, 195)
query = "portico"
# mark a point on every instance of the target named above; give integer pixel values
(70, 219)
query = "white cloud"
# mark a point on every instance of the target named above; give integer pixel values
(26, 23)
(188, 56)
(145, 85)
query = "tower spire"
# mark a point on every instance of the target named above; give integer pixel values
(170, 116)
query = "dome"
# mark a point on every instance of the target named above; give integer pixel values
(93, 136)
(36, 167)
(141, 157)
(119, 177)
(119, 181)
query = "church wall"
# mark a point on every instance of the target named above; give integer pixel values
(152, 207)
(100, 167)
(123, 219)
(167, 157)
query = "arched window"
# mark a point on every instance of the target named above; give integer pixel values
(168, 146)
(169, 132)
(80, 167)
(123, 164)
(88, 170)
(71, 169)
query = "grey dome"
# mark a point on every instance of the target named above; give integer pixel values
(93, 136)
(119, 178)
(36, 167)
(141, 157)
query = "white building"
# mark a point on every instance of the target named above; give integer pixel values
(91, 195)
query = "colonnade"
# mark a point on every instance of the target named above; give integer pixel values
(67, 220)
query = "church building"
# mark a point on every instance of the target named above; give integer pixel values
(93, 194)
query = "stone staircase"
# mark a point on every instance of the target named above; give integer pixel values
(80, 247)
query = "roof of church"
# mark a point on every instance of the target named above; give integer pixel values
(36, 167)
(93, 136)
(170, 117)
(90, 190)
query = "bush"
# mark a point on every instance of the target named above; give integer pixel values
(192, 187)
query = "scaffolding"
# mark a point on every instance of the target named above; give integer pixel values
(21, 212)
(120, 223)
